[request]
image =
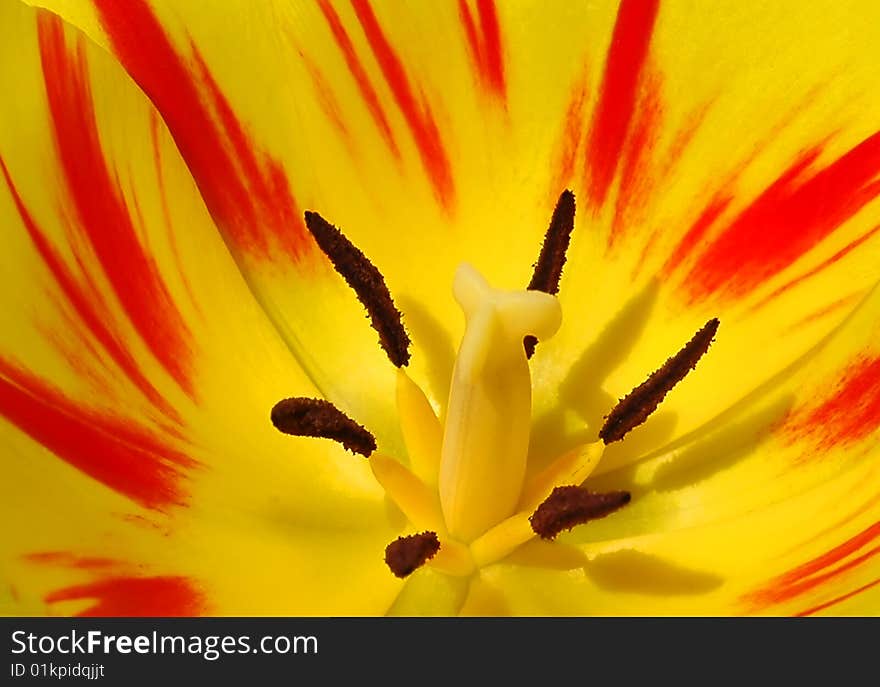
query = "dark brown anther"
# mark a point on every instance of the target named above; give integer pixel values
(312, 417)
(636, 406)
(407, 554)
(548, 269)
(367, 282)
(567, 507)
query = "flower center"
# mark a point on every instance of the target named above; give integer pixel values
(465, 485)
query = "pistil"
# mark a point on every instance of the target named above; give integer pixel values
(486, 437)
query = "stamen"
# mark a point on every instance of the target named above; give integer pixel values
(548, 269)
(570, 506)
(367, 282)
(406, 554)
(312, 417)
(636, 406)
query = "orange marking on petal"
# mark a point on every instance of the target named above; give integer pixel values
(815, 572)
(166, 212)
(851, 413)
(837, 600)
(617, 96)
(418, 115)
(825, 264)
(635, 166)
(327, 100)
(573, 126)
(683, 138)
(100, 206)
(160, 596)
(70, 560)
(825, 311)
(118, 452)
(792, 216)
(245, 190)
(88, 305)
(365, 86)
(647, 249)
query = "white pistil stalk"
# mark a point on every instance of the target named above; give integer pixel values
(486, 437)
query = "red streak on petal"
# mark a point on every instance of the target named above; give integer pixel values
(365, 86)
(851, 413)
(87, 304)
(832, 557)
(817, 571)
(825, 264)
(266, 182)
(788, 219)
(484, 45)
(418, 116)
(837, 600)
(475, 45)
(167, 596)
(493, 51)
(570, 137)
(245, 190)
(117, 452)
(697, 232)
(100, 205)
(635, 168)
(617, 96)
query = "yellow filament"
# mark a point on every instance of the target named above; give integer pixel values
(418, 503)
(502, 539)
(421, 429)
(570, 469)
(453, 559)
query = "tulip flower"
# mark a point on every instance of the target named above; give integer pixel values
(562, 308)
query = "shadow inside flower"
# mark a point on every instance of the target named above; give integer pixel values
(721, 447)
(713, 448)
(433, 342)
(640, 573)
(582, 393)
(582, 389)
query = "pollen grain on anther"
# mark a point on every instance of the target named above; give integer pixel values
(312, 417)
(637, 406)
(367, 282)
(548, 269)
(569, 506)
(407, 554)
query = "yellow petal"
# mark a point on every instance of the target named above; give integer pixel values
(138, 373)
(417, 501)
(421, 429)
